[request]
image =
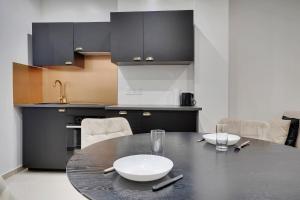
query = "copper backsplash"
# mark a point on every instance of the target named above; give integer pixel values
(96, 83)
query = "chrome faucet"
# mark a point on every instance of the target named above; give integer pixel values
(62, 98)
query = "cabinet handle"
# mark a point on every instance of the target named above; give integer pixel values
(78, 49)
(62, 110)
(68, 63)
(149, 58)
(138, 58)
(146, 114)
(123, 113)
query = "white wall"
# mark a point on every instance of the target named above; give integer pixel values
(152, 5)
(154, 84)
(264, 58)
(15, 22)
(77, 10)
(211, 64)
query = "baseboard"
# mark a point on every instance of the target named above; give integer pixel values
(13, 172)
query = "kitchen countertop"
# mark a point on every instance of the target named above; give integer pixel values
(153, 107)
(110, 107)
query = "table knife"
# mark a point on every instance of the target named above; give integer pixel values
(110, 169)
(244, 144)
(166, 183)
(201, 140)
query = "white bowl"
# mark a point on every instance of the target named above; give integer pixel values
(143, 167)
(211, 138)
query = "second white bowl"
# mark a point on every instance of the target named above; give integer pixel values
(211, 138)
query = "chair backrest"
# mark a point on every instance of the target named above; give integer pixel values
(245, 128)
(4, 193)
(294, 114)
(278, 130)
(96, 130)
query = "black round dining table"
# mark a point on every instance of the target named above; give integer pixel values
(260, 171)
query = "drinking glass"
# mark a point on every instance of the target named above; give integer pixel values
(157, 141)
(221, 141)
(222, 128)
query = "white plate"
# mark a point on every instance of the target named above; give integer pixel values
(211, 138)
(143, 167)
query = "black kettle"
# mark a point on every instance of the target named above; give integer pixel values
(187, 99)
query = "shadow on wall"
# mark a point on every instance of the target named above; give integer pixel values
(211, 82)
(157, 77)
(29, 47)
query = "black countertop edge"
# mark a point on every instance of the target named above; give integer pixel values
(111, 107)
(153, 107)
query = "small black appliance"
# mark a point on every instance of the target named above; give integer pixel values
(187, 99)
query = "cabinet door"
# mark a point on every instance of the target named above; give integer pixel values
(133, 117)
(92, 37)
(45, 138)
(127, 37)
(52, 44)
(169, 37)
(172, 121)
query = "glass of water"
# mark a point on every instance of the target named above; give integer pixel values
(221, 141)
(157, 141)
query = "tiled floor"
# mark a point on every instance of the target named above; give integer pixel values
(29, 185)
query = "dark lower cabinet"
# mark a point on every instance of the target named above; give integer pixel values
(47, 142)
(145, 121)
(172, 121)
(45, 138)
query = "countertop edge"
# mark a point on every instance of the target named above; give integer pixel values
(166, 108)
(110, 107)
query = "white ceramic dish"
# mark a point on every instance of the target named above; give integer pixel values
(143, 167)
(211, 138)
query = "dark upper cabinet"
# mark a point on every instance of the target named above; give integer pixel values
(53, 45)
(169, 36)
(127, 37)
(158, 37)
(92, 37)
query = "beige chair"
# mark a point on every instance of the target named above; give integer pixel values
(275, 130)
(96, 130)
(294, 114)
(279, 130)
(245, 128)
(4, 193)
